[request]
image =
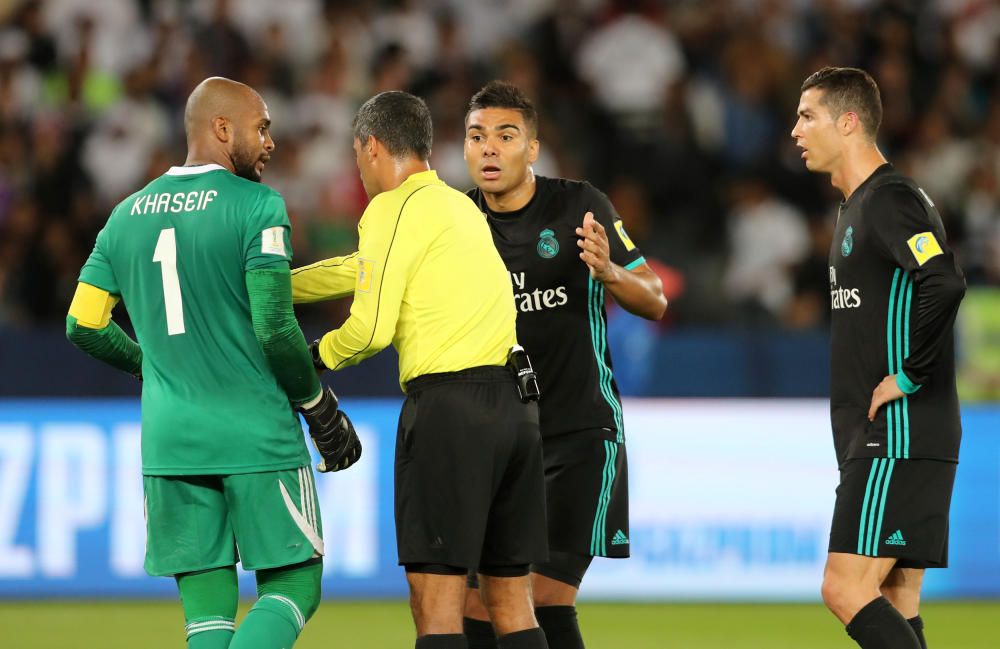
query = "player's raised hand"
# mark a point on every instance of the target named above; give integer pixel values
(332, 433)
(594, 249)
(884, 392)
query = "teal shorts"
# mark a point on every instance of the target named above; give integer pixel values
(264, 520)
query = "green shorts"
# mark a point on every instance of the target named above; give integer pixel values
(265, 520)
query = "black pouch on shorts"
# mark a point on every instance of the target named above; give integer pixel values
(524, 374)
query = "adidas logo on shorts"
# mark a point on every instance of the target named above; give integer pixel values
(896, 538)
(619, 538)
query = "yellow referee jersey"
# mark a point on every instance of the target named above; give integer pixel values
(427, 279)
(325, 280)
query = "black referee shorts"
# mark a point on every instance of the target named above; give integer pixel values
(468, 474)
(894, 508)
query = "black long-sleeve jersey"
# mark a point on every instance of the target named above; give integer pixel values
(561, 320)
(895, 289)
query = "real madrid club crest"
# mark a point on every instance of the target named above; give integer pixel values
(548, 246)
(848, 243)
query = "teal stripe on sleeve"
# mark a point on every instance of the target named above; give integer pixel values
(903, 382)
(898, 348)
(890, 316)
(638, 262)
(906, 353)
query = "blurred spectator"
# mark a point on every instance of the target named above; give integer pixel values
(657, 103)
(225, 47)
(631, 62)
(767, 238)
(119, 149)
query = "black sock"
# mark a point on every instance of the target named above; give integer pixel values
(527, 639)
(442, 641)
(917, 624)
(479, 633)
(560, 626)
(880, 626)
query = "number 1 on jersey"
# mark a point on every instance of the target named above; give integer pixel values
(166, 255)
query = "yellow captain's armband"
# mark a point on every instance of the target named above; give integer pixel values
(92, 306)
(924, 246)
(620, 227)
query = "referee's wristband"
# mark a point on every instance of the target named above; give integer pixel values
(904, 383)
(317, 360)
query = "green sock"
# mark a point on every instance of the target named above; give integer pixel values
(209, 633)
(209, 599)
(274, 622)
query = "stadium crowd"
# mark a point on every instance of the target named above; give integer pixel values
(680, 111)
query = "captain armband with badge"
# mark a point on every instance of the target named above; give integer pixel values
(924, 246)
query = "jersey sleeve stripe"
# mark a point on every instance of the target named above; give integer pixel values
(635, 264)
(341, 262)
(899, 362)
(906, 353)
(890, 409)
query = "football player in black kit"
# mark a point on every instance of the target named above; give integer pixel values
(895, 289)
(565, 247)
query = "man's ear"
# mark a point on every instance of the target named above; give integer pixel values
(533, 147)
(849, 123)
(222, 128)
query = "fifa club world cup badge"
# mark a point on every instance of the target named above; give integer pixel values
(548, 246)
(848, 243)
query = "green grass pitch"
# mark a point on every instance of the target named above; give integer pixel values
(386, 624)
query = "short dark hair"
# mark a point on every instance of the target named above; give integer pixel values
(399, 120)
(849, 90)
(503, 94)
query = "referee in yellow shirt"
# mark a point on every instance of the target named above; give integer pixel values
(469, 489)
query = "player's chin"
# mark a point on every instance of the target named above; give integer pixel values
(492, 185)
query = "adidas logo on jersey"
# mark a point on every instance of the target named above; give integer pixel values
(619, 538)
(896, 538)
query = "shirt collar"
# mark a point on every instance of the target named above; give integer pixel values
(422, 177)
(195, 169)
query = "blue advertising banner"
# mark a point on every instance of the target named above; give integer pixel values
(730, 499)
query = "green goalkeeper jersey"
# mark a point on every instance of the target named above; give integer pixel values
(177, 253)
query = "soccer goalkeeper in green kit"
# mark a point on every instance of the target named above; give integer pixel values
(200, 257)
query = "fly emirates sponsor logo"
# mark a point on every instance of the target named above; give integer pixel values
(843, 298)
(538, 299)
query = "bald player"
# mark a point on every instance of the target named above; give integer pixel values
(201, 258)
